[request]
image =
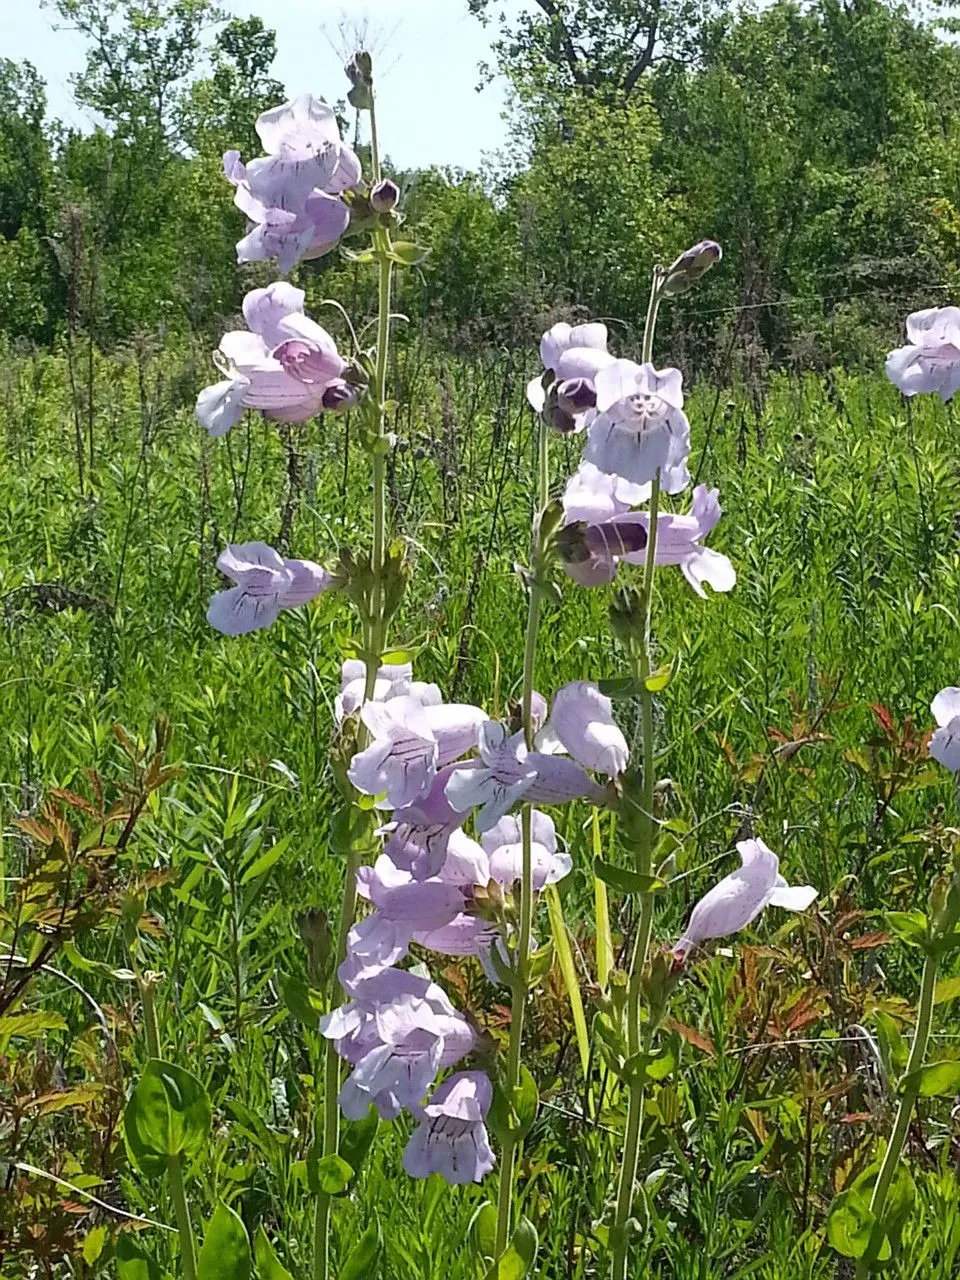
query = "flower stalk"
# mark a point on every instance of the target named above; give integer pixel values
(643, 852)
(521, 970)
(374, 640)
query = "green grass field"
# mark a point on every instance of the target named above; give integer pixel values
(790, 716)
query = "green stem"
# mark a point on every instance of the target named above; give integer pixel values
(908, 1100)
(150, 1025)
(646, 837)
(653, 306)
(330, 1136)
(188, 1247)
(521, 973)
(374, 643)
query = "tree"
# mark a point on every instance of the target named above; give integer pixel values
(600, 48)
(141, 58)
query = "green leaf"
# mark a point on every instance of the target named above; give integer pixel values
(408, 254)
(661, 1066)
(540, 963)
(483, 1228)
(526, 1101)
(357, 1137)
(133, 1263)
(328, 1175)
(269, 1266)
(935, 1080)
(946, 989)
(305, 1004)
(850, 1224)
(568, 969)
(893, 1047)
(364, 1257)
(168, 1114)
(397, 657)
(28, 1026)
(93, 1244)
(619, 687)
(265, 861)
(225, 1254)
(625, 881)
(520, 1256)
(909, 926)
(663, 676)
(514, 1117)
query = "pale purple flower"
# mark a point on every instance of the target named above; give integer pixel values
(281, 365)
(594, 496)
(740, 897)
(418, 836)
(945, 742)
(265, 584)
(503, 844)
(679, 542)
(410, 743)
(687, 269)
(931, 359)
(572, 355)
(592, 555)
(640, 427)
(406, 907)
(415, 904)
(398, 1031)
(291, 194)
(451, 1138)
(582, 724)
(393, 680)
(507, 772)
(373, 944)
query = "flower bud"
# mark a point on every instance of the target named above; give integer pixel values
(317, 937)
(339, 396)
(576, 395)
(690, 266)
(385, 196)
(360, 74)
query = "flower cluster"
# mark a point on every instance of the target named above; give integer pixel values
(436, 887)
(636, 430)
(293, 195)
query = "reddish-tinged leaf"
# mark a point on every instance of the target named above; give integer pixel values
(858, 1117)
(39, 830)
(76, 802)
(884, 719)
(692, 1036)
(867, 941)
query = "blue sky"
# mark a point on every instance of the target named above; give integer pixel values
(428, 56)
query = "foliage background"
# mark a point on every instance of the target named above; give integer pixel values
(818, 144)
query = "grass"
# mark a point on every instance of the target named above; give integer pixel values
(788, 716)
